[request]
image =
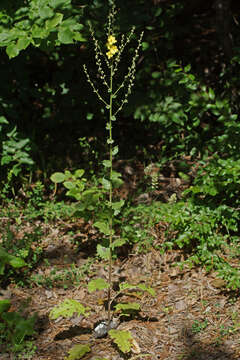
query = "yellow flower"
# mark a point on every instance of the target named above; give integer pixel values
(112, 49)
(111, 40)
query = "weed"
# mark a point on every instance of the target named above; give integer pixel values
(99, 200)
(14, 328)
(199, 326)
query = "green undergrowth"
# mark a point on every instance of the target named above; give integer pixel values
(207, 235)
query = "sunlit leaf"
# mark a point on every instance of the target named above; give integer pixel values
(97, 284)
(78, 351)
(67, 308)
(122, 339)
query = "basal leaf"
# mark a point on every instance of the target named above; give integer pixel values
(97, 284)
(122, 338)
(78, 351)
(67, 308)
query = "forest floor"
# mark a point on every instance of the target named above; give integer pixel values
(192, 316)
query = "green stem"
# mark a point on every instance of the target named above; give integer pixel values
(110, 197)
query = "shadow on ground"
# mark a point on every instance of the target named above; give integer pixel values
(195, 349)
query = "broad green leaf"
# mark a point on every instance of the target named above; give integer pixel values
(23, 43)
(3, 120)
(6, 258)
(39, 32)
(67, 308)
(66, 36)
(24, 327)
(57, 3)
(58, 177)
(4, 305)
(143, 287)
(106, 183)
(78, 351)
(103, 252)
(116, 206)
(12, 51)
(69, 185)
(116, 178)
(127, 308)
(17, 262)
(97, 284)
(146, 288)
(79, 173)
(103, 227)
(122, 338)
(107, 163)
(45, 12)
(79, 37)
(211, 94)
(56, 20)
(118, 243)
(187, 68)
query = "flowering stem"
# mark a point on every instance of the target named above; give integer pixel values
(110, 195)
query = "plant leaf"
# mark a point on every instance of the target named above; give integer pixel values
(103, 227)
(107, 163)
(143, 287)
(127, 308)
(58, 177)
(118, 243)
(103, 252)
(78, 351)
(122, 339)
(97, 284)
(4, 305)
(52, 23)
(67, 308)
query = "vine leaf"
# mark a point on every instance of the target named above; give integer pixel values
(78, 351)
(97, 284)
(122, 338)
(67, 308)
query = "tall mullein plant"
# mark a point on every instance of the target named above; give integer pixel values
(109, 60)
